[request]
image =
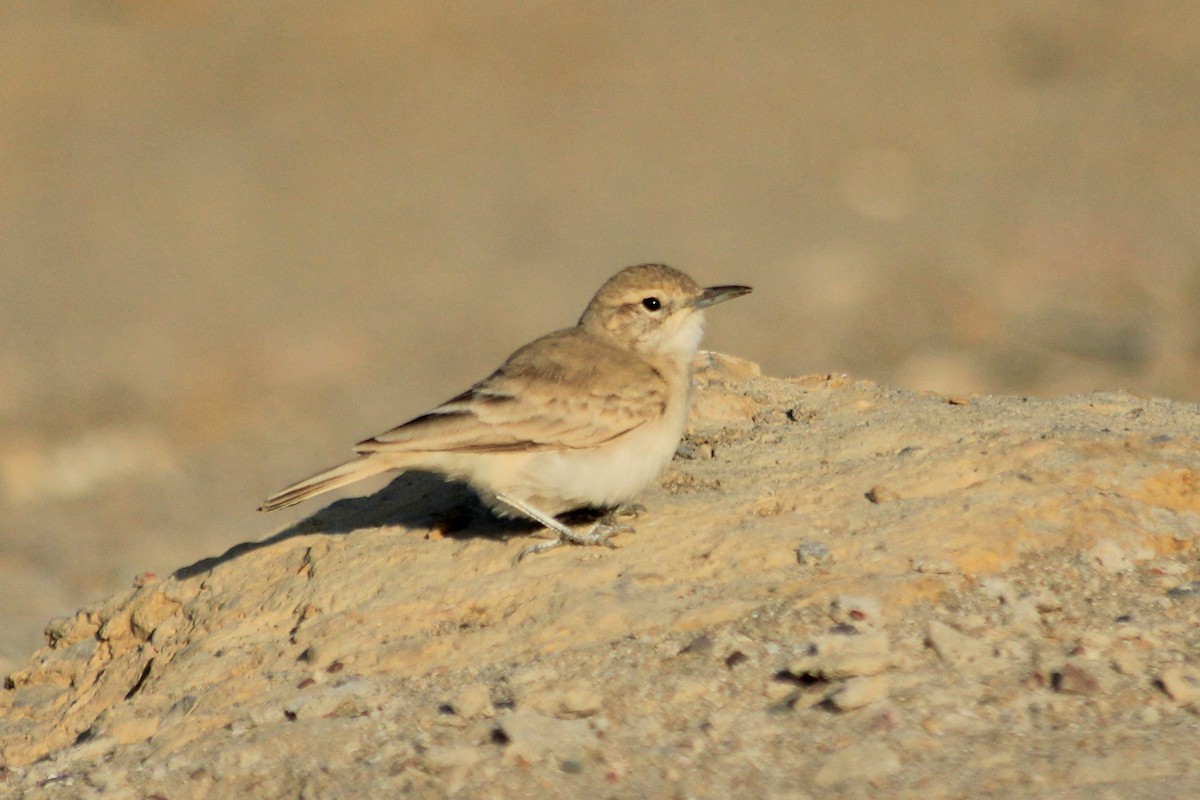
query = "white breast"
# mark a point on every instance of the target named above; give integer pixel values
(614, 473)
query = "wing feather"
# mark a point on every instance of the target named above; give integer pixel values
(568, 390)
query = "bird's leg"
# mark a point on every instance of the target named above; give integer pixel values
(599, 534)
(542, 517)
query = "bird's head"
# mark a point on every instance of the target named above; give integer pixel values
(655, 310)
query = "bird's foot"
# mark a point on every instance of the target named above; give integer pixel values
(599, 535)
(607, 527)
(631, 510)
(534, 549)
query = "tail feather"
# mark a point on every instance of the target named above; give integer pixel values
(332, 478)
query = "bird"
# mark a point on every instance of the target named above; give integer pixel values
(582, 418)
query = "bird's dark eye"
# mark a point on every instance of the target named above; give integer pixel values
(651, 304)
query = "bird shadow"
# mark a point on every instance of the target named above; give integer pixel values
(416, 500)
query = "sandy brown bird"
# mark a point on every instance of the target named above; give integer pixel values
(585, 417)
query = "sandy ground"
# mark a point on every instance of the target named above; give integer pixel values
(235, 238)
(839, 590)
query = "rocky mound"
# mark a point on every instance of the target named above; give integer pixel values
(838, 589)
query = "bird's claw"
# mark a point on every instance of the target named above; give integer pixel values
(533, 549)
(600, 535)
(633, 510)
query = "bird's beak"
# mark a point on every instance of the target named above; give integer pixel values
(719, 294)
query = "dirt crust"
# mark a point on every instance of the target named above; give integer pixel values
(838, 589)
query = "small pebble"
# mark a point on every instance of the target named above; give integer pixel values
(1126, 661)
(1185, 591)
(850, 609)
(834, 656)
(698, 646)
(965, 653)
(564, 699)
(881, 494)
(1182, 684)
(1111, 557)
(801, 415)
(859, 692)
(1075, 679)
(473, 702)
(696, 451)
(812, 553)
(579, 701)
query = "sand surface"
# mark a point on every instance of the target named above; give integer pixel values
(838, 590)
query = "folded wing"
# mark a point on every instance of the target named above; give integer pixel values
(568, 390)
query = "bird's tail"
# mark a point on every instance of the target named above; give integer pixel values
(332, 478)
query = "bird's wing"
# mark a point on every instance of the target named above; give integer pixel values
(565, 391)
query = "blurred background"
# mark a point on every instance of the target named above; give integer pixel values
(237, 237)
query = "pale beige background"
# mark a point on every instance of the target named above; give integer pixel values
(236, 237)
